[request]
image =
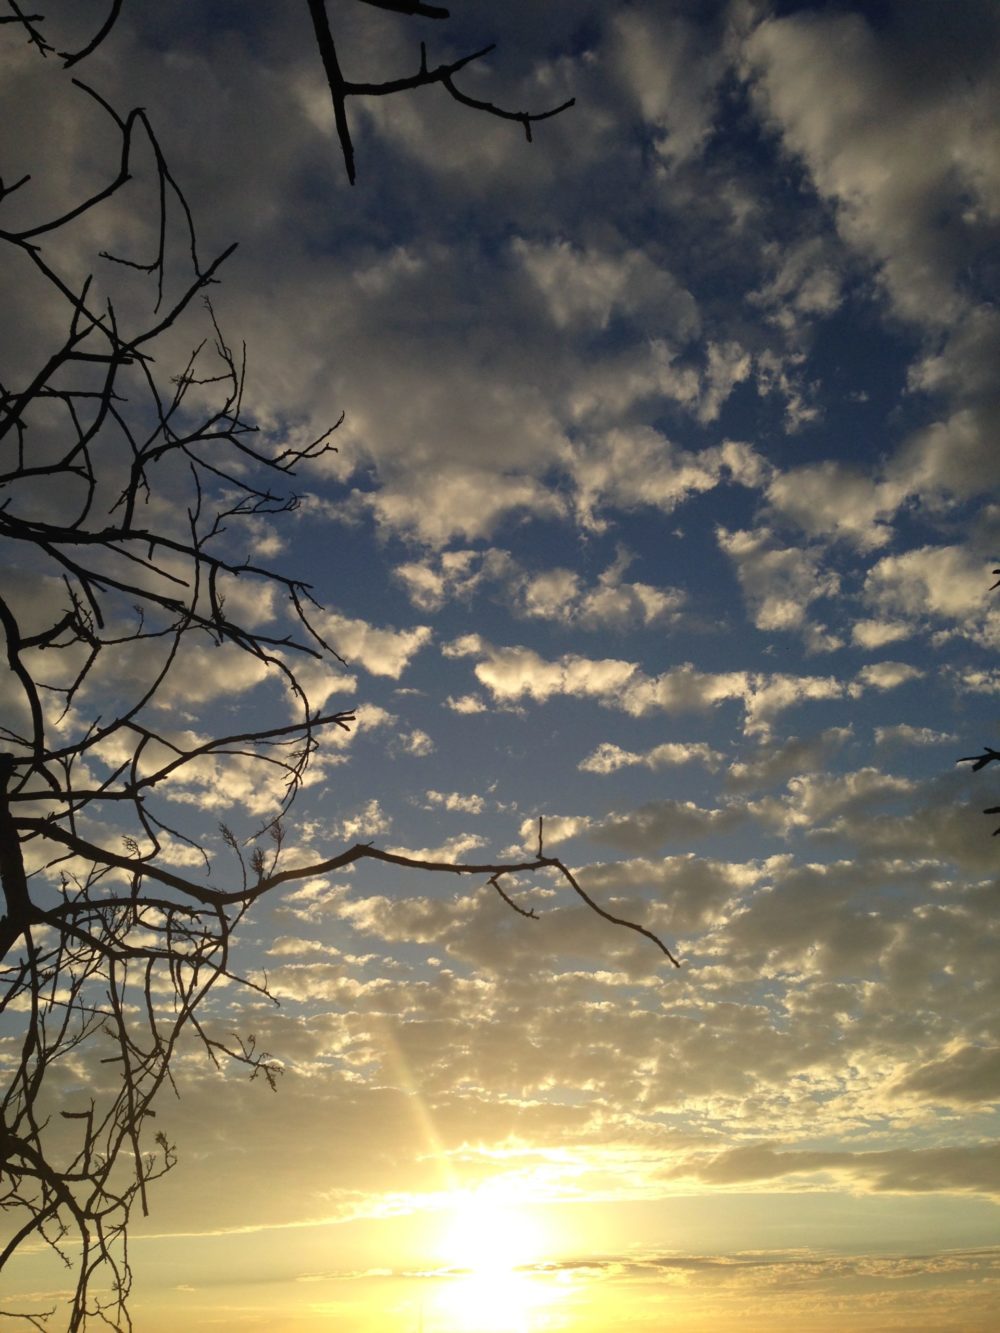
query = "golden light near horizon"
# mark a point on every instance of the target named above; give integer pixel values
(490, 1243)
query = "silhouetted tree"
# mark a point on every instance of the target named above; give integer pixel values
(122, 489)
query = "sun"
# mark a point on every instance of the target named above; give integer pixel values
(490, 1243)
(488, 1234)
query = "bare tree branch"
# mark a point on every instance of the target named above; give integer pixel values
(124, 494)
(341, 88)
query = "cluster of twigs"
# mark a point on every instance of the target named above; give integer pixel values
(102, 965)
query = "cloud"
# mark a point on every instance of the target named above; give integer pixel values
(629, 467)
(658, 822)
(778, 583)
(465, 703)
(609, 758)
(383, 652)
(366, 823)
(902, 733)
(878, 633)
(835, 981)
(769, 695)
(951, 459)
(964, 1076)
(974, 1169)
(946, 582)
(777, 761)
(805, 282)
(558, 593)
(925, 227)
(975, 681)
(453, 800)
(557, 829)
(879, 106)
(688, 892)
(587, 288)
(837, 501)
(517, 672)
(420, 920)
(816, 800)
(455, 848)
(884, 676)
(416, 742)
(433, 581)
(671, 73)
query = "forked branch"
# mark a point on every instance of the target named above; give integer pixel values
(425, 76)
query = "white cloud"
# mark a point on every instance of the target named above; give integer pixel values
(416, 742)
(951, 458)
(455, 848)
(971, 681)
(367, 822)
(609, 758)
(885, 676)
(805, 282)
(587, 288)
(902, 733)
(201, 672)
(521, 673)
(833, 499)
(433, 581)
(420, 920)
(815, 1000)
(556, 829)
(951, 1169)
(764, 695)
(962, 1075)
(878, 108)
(465, 703)
(683, 689)
(383, 652)
(779, 583)
(640, 466)
(949, 582)
(728, 364)
(548, 594)
(877, 633)
(925, 226)
(516, 673)
(818, 800)
(672, 74)
(689, 892)
(453, 800)
(622, 384)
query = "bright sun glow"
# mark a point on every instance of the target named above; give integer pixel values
(487, 1234)
(489, 1241)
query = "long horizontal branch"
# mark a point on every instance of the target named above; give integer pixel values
(137, 867)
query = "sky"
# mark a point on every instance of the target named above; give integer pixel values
(663, 508)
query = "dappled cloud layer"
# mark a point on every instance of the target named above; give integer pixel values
(664, 509)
